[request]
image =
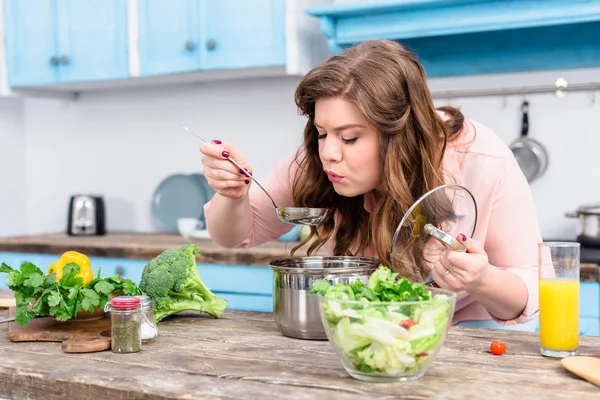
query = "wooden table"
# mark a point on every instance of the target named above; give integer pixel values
(244, 356)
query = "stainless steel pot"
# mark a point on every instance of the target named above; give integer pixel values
(296, 312)
(588, 231)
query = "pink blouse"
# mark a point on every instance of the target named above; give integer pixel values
(479, 160)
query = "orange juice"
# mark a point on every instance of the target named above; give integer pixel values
(559, 314)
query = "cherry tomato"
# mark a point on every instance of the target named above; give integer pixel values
(497, 348)
(407, 323)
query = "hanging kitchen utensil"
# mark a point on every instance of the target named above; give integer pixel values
(434, 221)
(289, 215)
(530, 154)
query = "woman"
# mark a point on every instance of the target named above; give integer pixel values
(373, 144)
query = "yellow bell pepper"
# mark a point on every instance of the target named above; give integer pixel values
(85, 266)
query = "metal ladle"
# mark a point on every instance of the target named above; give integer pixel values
(289, 215)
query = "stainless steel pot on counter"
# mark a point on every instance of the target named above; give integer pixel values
(588, 231)
(296, 312)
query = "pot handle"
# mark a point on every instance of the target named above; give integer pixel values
(572, 214)
(525, 119)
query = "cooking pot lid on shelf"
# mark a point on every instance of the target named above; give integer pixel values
(589, 209)
(436, 219)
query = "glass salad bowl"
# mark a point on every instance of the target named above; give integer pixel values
(385, 341)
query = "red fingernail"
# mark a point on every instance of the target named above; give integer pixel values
(217, 141)
(242, 172)
(247, 181)
(462, 238)
(225, 154)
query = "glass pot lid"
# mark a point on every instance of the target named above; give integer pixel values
(431, 225)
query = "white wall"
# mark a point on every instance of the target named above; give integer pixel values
(569, 129)
(122, 144)
(13, 185)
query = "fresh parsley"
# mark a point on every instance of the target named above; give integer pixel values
(38, 294)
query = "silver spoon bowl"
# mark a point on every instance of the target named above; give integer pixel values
(289, 215)
(301, 215)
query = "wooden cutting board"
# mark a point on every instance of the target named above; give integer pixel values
(77, 336)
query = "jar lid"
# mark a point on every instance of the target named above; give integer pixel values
(125, 302)
(145, 300)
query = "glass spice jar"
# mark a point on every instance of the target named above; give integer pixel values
(148, 328)
(126, 317)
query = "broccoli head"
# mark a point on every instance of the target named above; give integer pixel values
(173, 282)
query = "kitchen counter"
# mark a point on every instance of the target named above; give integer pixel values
(146, 246)
(243, 356)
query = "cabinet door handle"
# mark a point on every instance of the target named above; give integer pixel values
(120, 271)
(211, 44)
(54, 61)
(64, 60)
(190, 46)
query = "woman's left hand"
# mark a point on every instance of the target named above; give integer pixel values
(458, 271)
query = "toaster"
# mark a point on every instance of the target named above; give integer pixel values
(86, 215)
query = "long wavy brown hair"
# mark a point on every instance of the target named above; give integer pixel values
(389, 86)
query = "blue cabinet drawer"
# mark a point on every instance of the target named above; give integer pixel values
(236, 279)
(218, 277)
(589, 326)
(15, 260)
(126, 268)
(245, 288)
(247, 302)
(589, 299)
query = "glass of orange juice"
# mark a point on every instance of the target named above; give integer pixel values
(559, 298)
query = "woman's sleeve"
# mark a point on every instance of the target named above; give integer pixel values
(266, 225)
(513, 235)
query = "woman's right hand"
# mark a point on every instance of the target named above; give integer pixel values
(222, 175)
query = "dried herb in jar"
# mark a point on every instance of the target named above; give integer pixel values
(126, 337)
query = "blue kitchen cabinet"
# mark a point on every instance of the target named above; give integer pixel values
(65, 41)
(250, 288)
(589, 303)
(242, 34)
(193, 35)
(31, 42)
(589, 326)
(92, 40)
(244, 287)
(471, 37)
(168, 36)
